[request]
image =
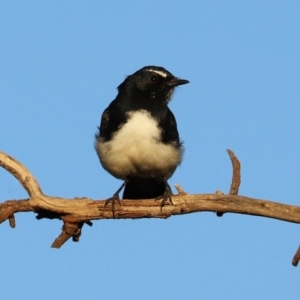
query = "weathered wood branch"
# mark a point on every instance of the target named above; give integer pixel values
(79, 211)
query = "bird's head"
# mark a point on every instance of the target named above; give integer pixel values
(152, 82)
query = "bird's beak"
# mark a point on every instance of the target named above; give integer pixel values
(177, 81)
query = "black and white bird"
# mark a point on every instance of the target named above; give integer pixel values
(138, 140)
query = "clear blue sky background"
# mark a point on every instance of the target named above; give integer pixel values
(60, 64)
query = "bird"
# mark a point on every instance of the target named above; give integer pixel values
(137, 140)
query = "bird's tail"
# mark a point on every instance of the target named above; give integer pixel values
(144, 188)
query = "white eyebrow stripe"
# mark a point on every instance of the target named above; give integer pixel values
(161, 73)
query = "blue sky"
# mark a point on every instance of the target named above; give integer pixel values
(61, 62)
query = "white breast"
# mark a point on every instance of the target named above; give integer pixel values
(136, 150)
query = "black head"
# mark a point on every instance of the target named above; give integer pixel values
(152, 82)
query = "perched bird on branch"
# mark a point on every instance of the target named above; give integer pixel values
(138, 140)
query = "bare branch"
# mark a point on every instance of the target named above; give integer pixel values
(75, 212)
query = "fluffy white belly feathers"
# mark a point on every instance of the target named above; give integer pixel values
(136, 150)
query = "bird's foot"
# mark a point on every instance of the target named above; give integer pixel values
(165, 197)
(115, 198)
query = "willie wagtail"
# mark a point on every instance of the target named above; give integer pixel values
(138, 140)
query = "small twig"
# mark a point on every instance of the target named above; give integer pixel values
(296, 258)
(179, 189)
(236, 174)
(12, 221)
(68, 230)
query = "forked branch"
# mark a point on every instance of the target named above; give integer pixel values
(79, 211)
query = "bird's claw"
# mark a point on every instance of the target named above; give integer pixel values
(165, 197)
(115, 198)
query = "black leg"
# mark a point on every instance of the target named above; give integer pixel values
(167, 195)
(115, 198)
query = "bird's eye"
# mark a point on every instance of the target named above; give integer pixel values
(153, 78)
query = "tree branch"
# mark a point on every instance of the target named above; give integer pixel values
(79, 211)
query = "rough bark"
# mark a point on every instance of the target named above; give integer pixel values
(79, 211)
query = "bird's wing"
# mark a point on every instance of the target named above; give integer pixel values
(169, 125)
(104, 124)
